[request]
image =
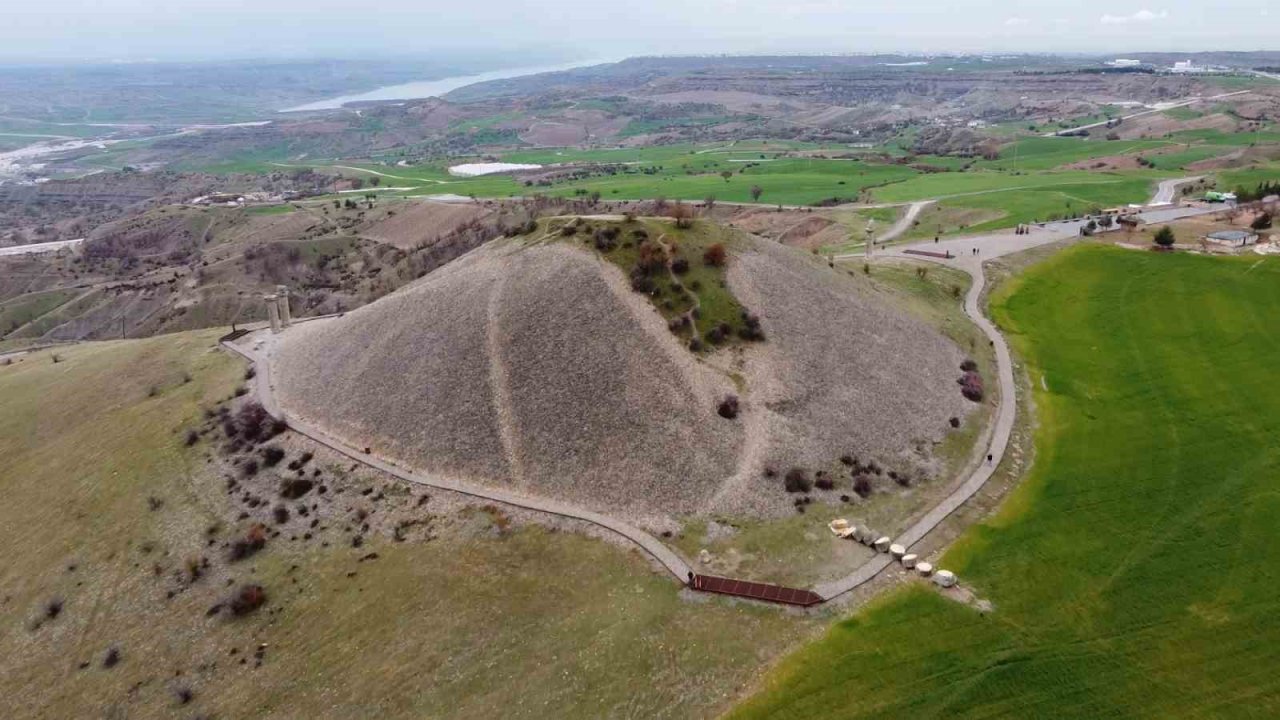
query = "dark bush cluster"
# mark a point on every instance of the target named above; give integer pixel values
(728, 407)
(751, 327)
(824, 481)
(862, 486)
(247, 599)
(969, 365)
(680, 266)
(295, 488)
(971, 386)
(253, 541)
(605, 238)
(271, 456)
(719, 333)
(253, 423)
(797, 480)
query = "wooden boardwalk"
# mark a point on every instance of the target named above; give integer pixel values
(755, 590)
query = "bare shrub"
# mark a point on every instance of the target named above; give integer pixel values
(112, 658)
(253, 421)
(252, 542)
(797, 480)
(247, 599)
(192, 438)
(271, 456)
(971, 386)
(295, 488)
(728, 407)
(862, 486)
(824, 482)
(714, 255)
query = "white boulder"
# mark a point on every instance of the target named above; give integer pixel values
(909, 560)
(924, 569)
(944, 578)
(897, 551)
(882, 544)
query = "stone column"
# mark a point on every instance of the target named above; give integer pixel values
(286, 319)
(273, 311)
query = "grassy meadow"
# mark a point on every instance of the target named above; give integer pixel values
(1132, 573)
(103, 504)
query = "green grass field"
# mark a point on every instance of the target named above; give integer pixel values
(1132, 573)
(527, 623)
(23, 309)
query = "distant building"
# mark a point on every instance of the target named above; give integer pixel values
(1232, 238)
(1186, 66)
(1124, 63)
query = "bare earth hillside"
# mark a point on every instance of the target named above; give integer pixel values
(535, 366)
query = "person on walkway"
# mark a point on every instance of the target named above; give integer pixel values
(988, 458)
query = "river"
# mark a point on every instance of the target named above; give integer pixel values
(435, 88)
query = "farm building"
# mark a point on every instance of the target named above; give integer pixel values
(1232, 238)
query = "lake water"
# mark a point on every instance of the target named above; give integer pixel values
(435, 88)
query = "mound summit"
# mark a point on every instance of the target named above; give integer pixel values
(534, 365)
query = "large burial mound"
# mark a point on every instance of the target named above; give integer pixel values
(533, 363)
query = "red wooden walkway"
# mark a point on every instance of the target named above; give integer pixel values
(928, 253)
(755, 590)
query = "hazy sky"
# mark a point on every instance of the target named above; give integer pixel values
(209, 29)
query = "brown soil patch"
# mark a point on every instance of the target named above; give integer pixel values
(422, 221)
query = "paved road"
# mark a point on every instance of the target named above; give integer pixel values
(38, 248)
(904, 223)
(257, 348)
(1168, 189)
(1162, 108)
(963, 258)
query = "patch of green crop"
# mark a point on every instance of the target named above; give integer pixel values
(1129, 572)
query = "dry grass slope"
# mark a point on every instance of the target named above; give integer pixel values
(534, 365)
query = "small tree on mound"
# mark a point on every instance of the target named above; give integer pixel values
(1262, 222)
(714, 255)
(1165, 238)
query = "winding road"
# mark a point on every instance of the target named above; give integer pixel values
(1161, 108)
